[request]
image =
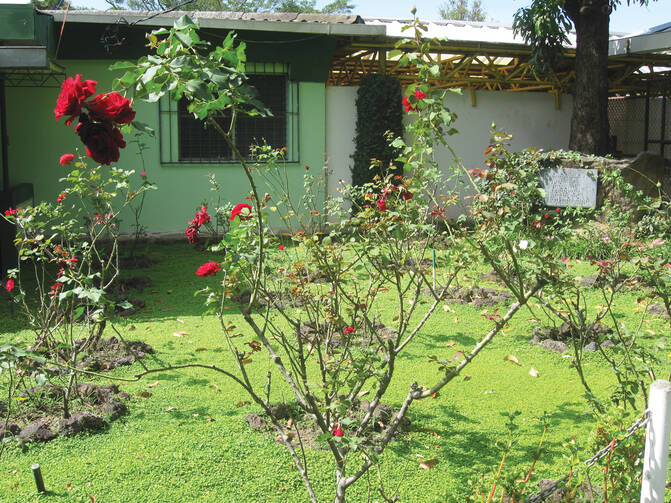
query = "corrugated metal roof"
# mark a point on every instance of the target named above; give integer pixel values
(467, 31)
(328, 24)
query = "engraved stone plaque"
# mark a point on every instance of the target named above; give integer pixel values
(570, 187)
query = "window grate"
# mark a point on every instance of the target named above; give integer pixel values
(186, 140)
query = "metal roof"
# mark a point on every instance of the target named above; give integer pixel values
(467, 31)
(327, 24)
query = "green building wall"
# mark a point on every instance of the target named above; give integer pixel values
(37, 140)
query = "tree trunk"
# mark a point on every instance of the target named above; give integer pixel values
(590, 130)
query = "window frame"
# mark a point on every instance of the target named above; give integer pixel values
(169, 122)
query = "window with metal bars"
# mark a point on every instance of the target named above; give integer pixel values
(186, 140)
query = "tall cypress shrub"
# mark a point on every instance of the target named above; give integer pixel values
(378, 106)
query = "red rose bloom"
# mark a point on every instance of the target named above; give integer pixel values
(73, 93)
(191, 234)
(9, 286)
(538, 224)
(406, 103)
(406, 195)
(208, 269)
(11, 212)
(557, 210)
(60, 198)
(349, 330)
(111, 107)
(201, 217)
(381, 204)
(281, 247)
(102, 141)
(237, 211)
(547, 215)
(307, 167)
(337, 430)
(420, 95)
(66, 159)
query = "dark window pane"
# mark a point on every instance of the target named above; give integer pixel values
(203, 144)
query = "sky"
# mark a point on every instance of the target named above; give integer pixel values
(625, 19)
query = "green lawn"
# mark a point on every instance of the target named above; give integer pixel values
(189, 440)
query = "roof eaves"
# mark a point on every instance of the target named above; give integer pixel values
(326, 24)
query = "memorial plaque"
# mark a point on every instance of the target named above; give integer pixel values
(570, 187)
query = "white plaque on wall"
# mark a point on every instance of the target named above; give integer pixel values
(570, 187)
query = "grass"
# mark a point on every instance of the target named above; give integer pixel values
(189, 440)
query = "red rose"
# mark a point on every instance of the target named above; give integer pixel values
(66, 159)
(60, 198)
(191, 234)
(547, 215)
(537, 223)
(420, 95)
(281, 247)
(381, 204)
(11, 212)
(306, 167)
(237, 211)
(406, 103)
(73, 93)
(111, 107)
(406, 195)
(102, 141)
(337, 430)
(349, 330)
(9, 286)
(202, 217)
(557, 210)
(208, 269)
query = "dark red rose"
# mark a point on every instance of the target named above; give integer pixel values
(406, 195)
(420, 95)
(102, 141)
(11, 212)
(111, 107)
(208, 269)
(381, 204)
(73, 93)
(9, 286)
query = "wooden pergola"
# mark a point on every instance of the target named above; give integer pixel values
(491, 66)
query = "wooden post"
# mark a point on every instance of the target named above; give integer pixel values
(657, 443)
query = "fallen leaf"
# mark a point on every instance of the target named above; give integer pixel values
(467, 378)
(155, 383)
(68, 486)
(458, 355)
(180, 334)
(290, 423)
(214, 386)
(246, 361)
(428, 464)
(131, 328)
(170, 409)
(448, 309)
(92, 498)
(195, 414)
(533, 372)
(362, 393)
(512, 359)
(651, 332)
(144, 394)
(429, 430)
(240, 404)
(201, 349)
(15, 472)
(179, 320)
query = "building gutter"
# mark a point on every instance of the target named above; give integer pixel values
(636, 44)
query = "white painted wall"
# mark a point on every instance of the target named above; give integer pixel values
(531, 117)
